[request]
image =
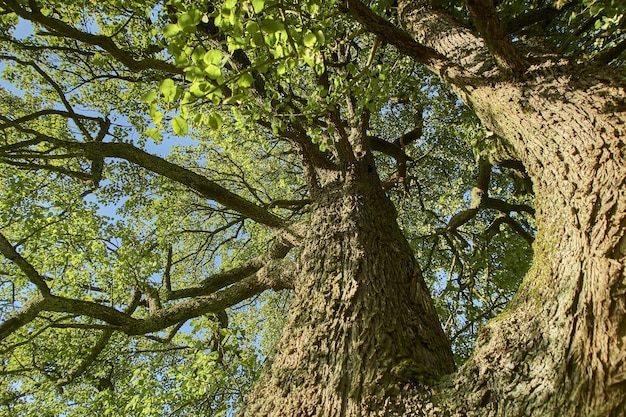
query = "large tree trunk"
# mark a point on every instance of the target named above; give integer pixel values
(362, 324)
(560, 346)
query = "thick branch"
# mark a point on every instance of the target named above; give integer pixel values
(495, 36)
(31, 273)
(198, 306)
(27, 314)
(96, 151)
(397, 37)
(223, 279)
(99, 346)
(89, 309)
(197, 182)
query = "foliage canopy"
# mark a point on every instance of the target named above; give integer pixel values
(156, 158)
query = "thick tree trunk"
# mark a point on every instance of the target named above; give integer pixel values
(362, 325)
(560, 347)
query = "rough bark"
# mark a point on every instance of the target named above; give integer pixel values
(559, 348)
(362, 327)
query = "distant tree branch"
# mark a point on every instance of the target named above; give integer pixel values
(62, 29)
(78, 120)
(82, 176)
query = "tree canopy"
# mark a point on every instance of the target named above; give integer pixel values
(158, 164)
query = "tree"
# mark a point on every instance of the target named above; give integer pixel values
(320, 138)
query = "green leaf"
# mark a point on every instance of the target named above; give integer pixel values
(213, 72)
(155, 114)
(200, 88)
(189, 20)
(215, 121)
(168, 89)
(229, 4)
(271, 26)
(213, 57)
(258, 5)
(171, 30)
(154, 134)
(246, 80)
(321, 38)
(310, 39)
(193, 73)
(198, 54)
(179, 125)
(148, 97)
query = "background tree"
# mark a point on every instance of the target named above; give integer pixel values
(319, 155)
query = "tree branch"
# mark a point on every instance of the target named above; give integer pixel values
(197, 306)
(31, 273)
(505, 207)
(495, 36)
(27, 314)
(158, 165)
(62, 29)
(494, 228)
(99, 346)
(107, 314)
(223, 279)
(397, 37)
